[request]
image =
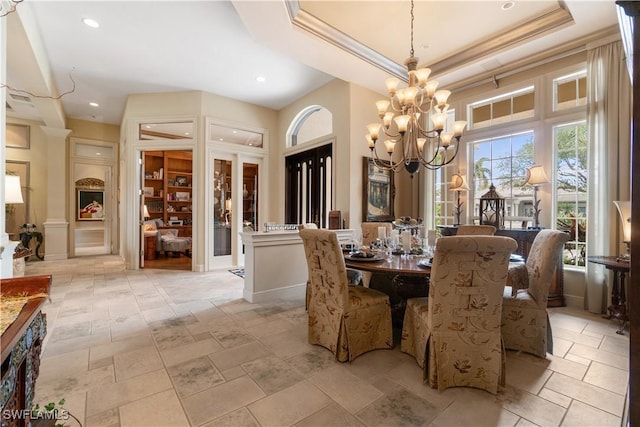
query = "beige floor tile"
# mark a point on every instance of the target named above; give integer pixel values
(231, 336)
(117, 394)
(587, 393)
(333, 415)
(532, 407)
(576, 337)
(409, 376)
(483, 409)
(607, 377)
(351, 392)
(217, 401)
(561, 346)
(398, 407)
(578, 359)
(233, 373)
(238, 418)
(582, 415)
(557, 398)
(317, 359)
(566, 366)
(272, 374)
(110, 418)
(162, 409)
(236, 356)
(194, 376)
(617, 360)
(525, 376)
(190, 351)
(136, 362)
(272, 327)
(74, 382)
(290, 405)
(58, 366)
(616, 345)
(109, 349)
(167, 338)
(525, 423)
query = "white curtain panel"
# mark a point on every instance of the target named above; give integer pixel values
(609, 123)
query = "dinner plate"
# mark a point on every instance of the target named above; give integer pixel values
(425, 262)
(360, 259)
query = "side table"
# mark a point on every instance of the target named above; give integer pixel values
(150, 247)
(620, 268)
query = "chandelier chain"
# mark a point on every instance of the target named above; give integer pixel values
(411, 51)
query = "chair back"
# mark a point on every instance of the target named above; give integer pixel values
(544, 256)
(327, 271)
(309, 225)
(467, 281)
(475, 230)
(370, 231)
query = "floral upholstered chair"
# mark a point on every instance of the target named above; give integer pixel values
(348, 320)
(370, 231)
(475, 230)
(525, 322)
(454, 334)
(353, 276)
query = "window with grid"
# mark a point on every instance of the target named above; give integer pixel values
(505, 108)
(503, 162)
(570, 147)
(570, 91)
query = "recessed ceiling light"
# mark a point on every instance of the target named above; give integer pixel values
(221, 139)
(260, 79)
(147, 126)
(508, 5)
(94, 104)
(235, 131)
(90, 23)
(186, 133)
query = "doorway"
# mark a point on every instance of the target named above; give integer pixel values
(166, 209)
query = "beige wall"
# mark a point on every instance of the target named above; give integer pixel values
(93, 130)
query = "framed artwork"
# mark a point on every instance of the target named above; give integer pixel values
(182, 196)
(17, 135)
(90, 205)
(181, 181)
(18, 213)
(148, 191)
(378, 192)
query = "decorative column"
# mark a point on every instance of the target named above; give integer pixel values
(56, 226)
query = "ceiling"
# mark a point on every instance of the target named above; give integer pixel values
(222, 47)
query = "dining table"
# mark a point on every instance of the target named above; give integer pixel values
(404, 276)
(399, 276)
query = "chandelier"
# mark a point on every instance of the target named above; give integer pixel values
(405, 124)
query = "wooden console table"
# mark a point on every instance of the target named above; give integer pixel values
(24, 327)
(618, 307)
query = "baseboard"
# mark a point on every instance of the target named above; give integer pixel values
(288, 292)
(574, 302)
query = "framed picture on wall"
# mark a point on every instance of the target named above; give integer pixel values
(17, 135)
(90, 205)
(378, 192)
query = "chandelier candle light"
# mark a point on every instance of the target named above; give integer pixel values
(536, 177)
(459, 185)
(410, 106)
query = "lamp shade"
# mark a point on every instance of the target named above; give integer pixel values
(146, 212)
(536, 176)
(458, 183)
(227, 204)
(624, 209)
(12, 189)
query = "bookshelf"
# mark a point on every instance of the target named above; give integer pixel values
(168, 188)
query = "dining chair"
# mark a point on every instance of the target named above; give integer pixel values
(370, 231)
(454, 333)
(525, 321)
(353, 276)
(348, 320)
(475, 230)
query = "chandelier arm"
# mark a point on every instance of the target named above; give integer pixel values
(390, 135)
(395, 104)
(385, 164)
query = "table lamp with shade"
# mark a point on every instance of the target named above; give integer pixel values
(12, 190)
(145, 212)
(458, 184)
(624, 209)
(536, 177)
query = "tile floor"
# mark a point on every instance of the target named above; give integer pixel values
(171, 348)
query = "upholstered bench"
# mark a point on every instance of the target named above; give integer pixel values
(176, 245)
